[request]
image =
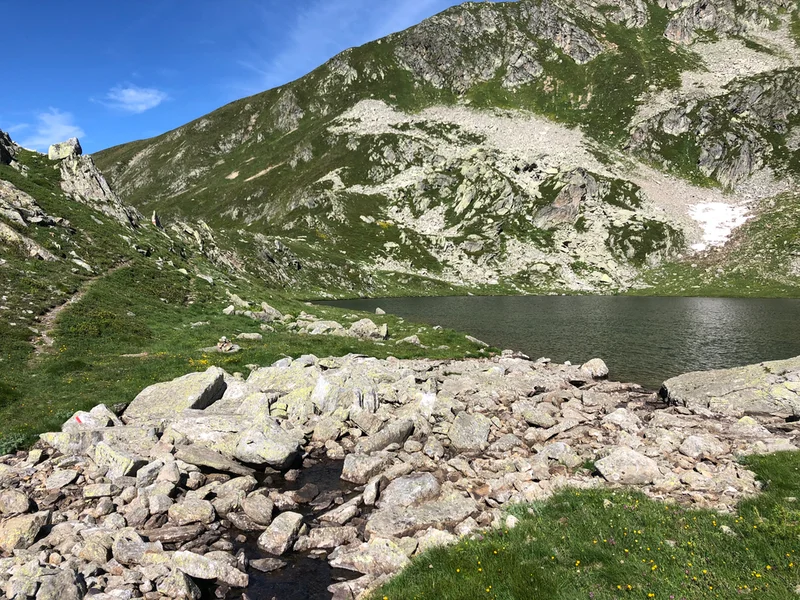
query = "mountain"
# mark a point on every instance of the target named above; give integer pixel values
(530, 146)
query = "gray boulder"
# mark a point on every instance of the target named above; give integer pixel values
(360, 468)
(628, 467)
(192, 511)
(469, 432)
(395, 432)
(377, 557)
(765, 388)
(366, 329)
(13, 502)
(400, 521)
(327, 538)
(704, 445)
(60, 479)
(259, 508)
(204, 567)
(167, 400)
(65, 584)
(202, 456)
(62, 150)
(596, 368)
(177, 585)
(411, 489)
(281, 533)
(19, 533)
(270, 445)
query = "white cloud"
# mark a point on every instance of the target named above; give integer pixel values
(325, 28)
(17, 128)
(134, 99)
(51, 127)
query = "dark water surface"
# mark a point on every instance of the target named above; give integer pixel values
(643, 340)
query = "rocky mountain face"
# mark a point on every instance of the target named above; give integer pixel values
(522, 146)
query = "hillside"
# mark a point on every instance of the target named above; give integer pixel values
(532, 146)
(97, 302)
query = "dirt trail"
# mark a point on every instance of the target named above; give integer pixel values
(43, 341)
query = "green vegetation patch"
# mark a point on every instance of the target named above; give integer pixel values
(615, 545)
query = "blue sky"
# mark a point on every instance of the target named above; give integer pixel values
(111, 72)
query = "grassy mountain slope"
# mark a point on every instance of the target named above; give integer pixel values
(420, 163)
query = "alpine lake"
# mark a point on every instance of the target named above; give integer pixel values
(642, 340)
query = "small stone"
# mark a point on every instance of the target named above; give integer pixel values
(13, 502)
(100, 490)
(281, 534)
(192, 511)
(267, 565)
(259, 508)
(60, 479)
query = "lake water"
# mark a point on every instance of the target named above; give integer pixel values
(643, 340)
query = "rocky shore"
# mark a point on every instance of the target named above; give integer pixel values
(197, 486)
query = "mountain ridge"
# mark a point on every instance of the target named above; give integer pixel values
(316, 169)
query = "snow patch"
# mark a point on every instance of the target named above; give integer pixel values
(718, 220)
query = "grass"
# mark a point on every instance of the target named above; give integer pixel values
(614, 545)
(155, 317)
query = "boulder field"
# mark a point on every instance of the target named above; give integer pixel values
(199, 482)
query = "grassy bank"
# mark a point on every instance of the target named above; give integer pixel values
(607, 545)
(140, 325)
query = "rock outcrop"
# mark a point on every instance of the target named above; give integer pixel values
(69, 149)
(83, 182)
(432, 450)
(730, 137)
(7, 148)
(770, 388)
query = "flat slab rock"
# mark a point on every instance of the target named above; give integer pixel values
(167, 400)
(401, 521)
(765, 388)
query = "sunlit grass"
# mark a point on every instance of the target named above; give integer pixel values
(601, 544)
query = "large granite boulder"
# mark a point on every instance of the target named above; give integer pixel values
(60, 151)
(270, 445)
(19, 533)
(281, 533)
(167, 400)
(470, 433)
(400, 521)
(765, 388)
(628, 467)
